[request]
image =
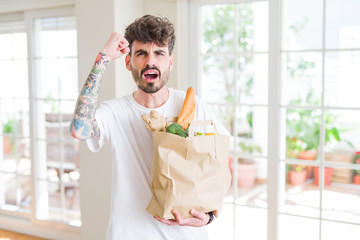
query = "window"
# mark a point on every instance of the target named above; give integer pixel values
(318, 113)
(39, 162)
(15, 162)
(57, 163)
(233, 56)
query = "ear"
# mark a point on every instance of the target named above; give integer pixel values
(128, 62)
(171, 62)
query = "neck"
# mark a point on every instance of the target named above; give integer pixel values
(151, 100)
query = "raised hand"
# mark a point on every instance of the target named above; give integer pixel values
(84, 125)
(116, 46)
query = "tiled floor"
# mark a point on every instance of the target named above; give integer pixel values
(7, 235)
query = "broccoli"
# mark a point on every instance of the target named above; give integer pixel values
(176, 128)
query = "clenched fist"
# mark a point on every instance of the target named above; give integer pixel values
(116, 46)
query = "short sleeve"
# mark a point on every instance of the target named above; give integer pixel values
(104, 118)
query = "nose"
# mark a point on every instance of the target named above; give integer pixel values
(151, 59)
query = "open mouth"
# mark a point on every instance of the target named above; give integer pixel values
(151, 75)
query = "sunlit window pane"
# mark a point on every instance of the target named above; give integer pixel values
(342, 132)
(218, 78)
(250, 223)
(20, 78)
(342, 74)
(5, 49)
(252, 80)
(301, 195)
(290, 228)
(57, 37)
(302, 81)
(302, 24)
(336, 230)
(14, 78)
(68, 78)
(225, 114)
(13, 45)
(340, 200)
(19, 46)
(234, 81)
(342, 24)
(217, 28)
(57, 152)
(252, 26)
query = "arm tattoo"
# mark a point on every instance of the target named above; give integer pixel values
(83, 120)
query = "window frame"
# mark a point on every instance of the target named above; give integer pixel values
(276, 160)
(273, 103)
(14, 220)
(32, 50)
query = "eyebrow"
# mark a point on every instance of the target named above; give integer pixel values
(145, 51)
(160, 51)
(141, 51)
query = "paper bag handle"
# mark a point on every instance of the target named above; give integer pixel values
(201, 123)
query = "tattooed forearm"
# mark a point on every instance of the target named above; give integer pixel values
(84, 124)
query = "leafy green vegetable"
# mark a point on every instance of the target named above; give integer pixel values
(177, 129)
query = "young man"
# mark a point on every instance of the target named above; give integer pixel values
(148, 45)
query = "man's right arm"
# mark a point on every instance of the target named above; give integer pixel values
(83, 124)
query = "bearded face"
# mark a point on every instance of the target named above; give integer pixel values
(150, 66)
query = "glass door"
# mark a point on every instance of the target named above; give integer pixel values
(233, 66)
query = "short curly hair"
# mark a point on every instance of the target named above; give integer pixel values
(151, 29)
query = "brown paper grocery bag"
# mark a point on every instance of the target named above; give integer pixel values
(189, 172)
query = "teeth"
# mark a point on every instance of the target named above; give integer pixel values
(151, 72)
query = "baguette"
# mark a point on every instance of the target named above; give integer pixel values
(188, 109)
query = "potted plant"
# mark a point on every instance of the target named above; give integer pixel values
(356, 179)
(8, 130)
(303, 132)
(246, 168)
(297, 175)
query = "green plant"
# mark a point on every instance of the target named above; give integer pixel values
(357, 161)
(9, 126)
(218, 37)
(303, 127)
(250, 147)
(299, 168)
(51, 102)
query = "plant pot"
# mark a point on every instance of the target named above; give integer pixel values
(8, 145)
(356, 179)
(246, 174)
(297, 178)
(328, 174)
(308, 155)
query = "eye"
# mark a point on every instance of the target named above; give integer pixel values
(160, 53)
(140, 53)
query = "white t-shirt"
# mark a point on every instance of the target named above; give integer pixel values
(121, 125)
